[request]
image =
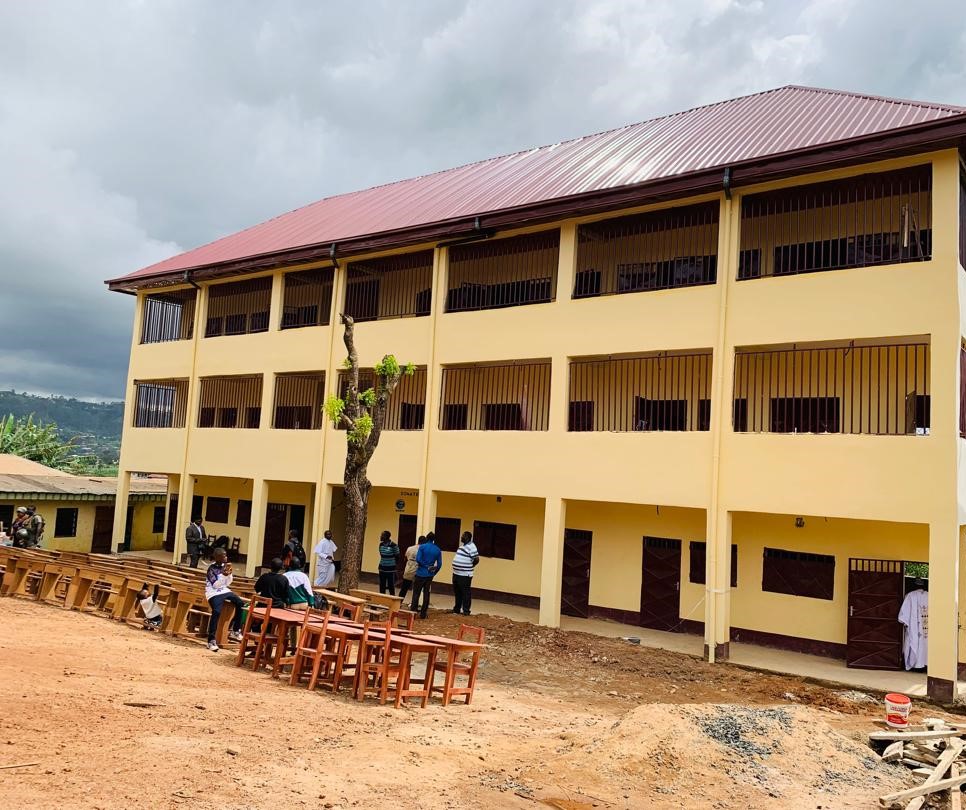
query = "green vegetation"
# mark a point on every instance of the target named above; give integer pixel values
(91, 429)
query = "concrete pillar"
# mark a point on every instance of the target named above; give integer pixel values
(275, 309)
(186, 492)
(551, 568)
(717, 591)
(559, 393)
(120, 509)
(566, 261)
(426, 512)
(943, 620)
(256, 529)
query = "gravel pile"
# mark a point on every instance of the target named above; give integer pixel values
(730, 726)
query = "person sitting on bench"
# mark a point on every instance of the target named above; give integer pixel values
(274, 585)
(218, 591)
(299, 585)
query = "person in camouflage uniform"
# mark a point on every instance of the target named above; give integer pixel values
(35, 527)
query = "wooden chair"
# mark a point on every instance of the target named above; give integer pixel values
(257, 640)
(313, 649)
(376, 666)
(465, 665)
(234, 549)
(402, 619)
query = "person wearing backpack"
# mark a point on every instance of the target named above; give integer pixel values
(294, 551)
(466, 558)
(35, 527)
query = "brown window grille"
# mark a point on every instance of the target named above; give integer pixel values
(512, 396)
(160, 403)
(873, 219)
(298, 401)
(962, 390)
(650, 393)
(307, 299)
(659, 250)
(798, 573)
(239, 308)
(216, 509)
(495, 539)
(407, 405)
(168, 316)
(230, 402)
(390, 287)
(699, 559)
(877, 389)
(503, 273)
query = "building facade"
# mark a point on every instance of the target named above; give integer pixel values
(720, 393)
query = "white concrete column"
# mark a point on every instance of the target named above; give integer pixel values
(120, 509)
(943, 620)
(256, 529)
(551, 568)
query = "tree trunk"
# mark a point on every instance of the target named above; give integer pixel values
(357, 509)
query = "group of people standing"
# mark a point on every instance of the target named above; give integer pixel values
(27, 529)
(423, 562)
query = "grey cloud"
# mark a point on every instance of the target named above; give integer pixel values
(132, 130)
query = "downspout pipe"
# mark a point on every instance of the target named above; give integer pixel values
(190, 280)
(479, 234)
(726, 182)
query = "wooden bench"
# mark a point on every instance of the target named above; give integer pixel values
(381, 602)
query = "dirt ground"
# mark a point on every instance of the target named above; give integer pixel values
(560, 719)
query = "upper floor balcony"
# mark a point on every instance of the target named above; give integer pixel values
(399, 286)
(239, 307)
(873, 219)
(659, 250)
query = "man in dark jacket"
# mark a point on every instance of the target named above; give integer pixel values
(294, 550)
(273, 586)
(197, 540)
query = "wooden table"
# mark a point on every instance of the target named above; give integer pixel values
(375, 598)
(454, 647)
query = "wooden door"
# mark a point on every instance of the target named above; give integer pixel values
(874, 635)
(170, 533)
(275, 519)
(296, 521)
(575, 580)
(405, 538)
(661, 584)
(103, 529)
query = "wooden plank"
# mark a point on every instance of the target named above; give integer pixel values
(893, 751)
(955, 795)
(938, 734)
(948, 757)
(924, 789)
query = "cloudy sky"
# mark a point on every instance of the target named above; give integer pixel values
(134, 129)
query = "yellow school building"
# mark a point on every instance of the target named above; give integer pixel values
(700, 374)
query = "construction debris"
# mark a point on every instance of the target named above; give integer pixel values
(940, 746)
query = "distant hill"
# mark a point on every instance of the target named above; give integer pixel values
(95, 425)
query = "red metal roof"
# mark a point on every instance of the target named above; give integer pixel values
(775, 122)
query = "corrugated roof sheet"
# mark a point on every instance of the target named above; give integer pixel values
(68, 485)
(766, 124)
(16, 465)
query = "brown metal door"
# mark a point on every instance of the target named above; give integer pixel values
(661, 584)
(405, 538)
(575, 581)
(275, 519)
(103, 529)
(169, 535)
(874, 636)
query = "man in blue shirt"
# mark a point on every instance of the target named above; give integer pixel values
(429, 559)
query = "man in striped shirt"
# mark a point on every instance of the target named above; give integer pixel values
(465, 560)
(388, 556)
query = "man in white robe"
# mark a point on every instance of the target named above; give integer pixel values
(325, 561)
(914, 616)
